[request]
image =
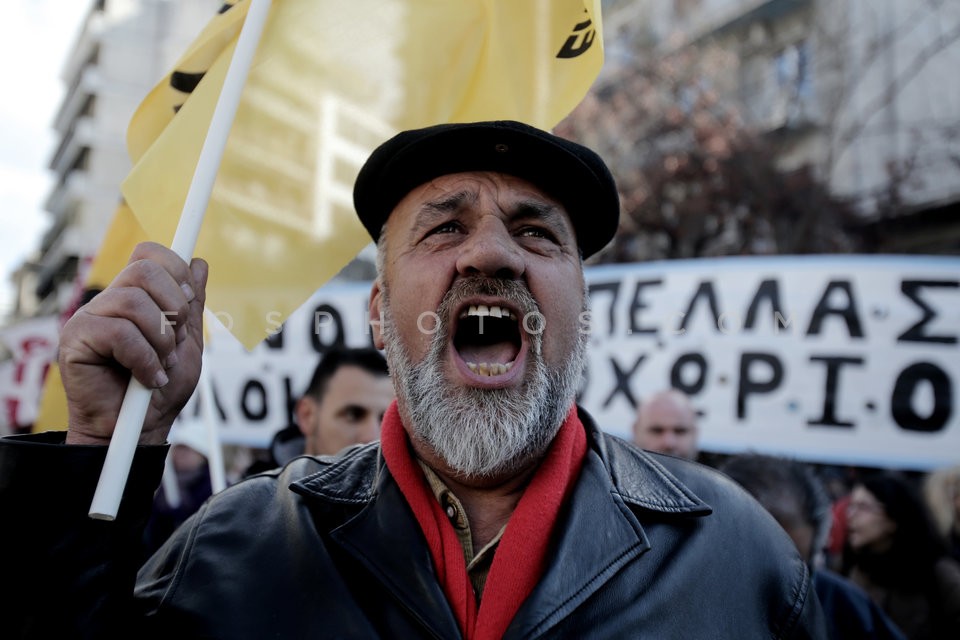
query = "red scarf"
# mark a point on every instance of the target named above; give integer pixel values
(520, 558)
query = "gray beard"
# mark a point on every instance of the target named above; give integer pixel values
(480, 433)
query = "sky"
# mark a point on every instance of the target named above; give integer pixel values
(35, 36)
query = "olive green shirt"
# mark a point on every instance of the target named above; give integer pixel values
(479, 562)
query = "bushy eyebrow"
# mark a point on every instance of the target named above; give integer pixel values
(545, 212)
(527, 210)
(548, 216)
(430, 213)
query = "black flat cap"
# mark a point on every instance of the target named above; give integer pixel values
(569, 172)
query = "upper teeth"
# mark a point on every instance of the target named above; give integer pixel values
(485, 310)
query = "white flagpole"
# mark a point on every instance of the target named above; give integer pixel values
(218, 476)
(133, 411)
(171, 487)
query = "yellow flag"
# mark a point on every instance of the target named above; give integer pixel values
(123, 234)
(52, 414)
(329, 82)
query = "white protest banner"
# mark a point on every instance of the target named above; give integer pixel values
(33, 345)
(848, 360)
(255, 391)
(835, 359)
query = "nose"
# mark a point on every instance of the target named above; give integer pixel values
(670, 442)
(368, 431)
(490, 251)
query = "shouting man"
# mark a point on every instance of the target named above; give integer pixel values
(492, 507)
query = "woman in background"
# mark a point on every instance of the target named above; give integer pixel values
(897, 556)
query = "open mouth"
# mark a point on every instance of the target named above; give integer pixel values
(488, 339)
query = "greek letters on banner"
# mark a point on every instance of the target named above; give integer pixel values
(847, 360)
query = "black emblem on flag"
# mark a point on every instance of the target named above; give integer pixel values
(579, 41)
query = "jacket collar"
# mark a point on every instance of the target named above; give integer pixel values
(383, 535)
(637, 476)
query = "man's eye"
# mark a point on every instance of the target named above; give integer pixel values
(536, 232)
(355, 414)
(446, 227)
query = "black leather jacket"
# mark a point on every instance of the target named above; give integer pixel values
(650, 547)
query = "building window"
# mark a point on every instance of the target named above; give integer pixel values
(81, 161)
(88, 106)
(791, 85)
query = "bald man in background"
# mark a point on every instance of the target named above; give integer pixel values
(667, 423)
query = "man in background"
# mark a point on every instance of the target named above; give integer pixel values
(342, 405)
(667, 423)
(345, 400)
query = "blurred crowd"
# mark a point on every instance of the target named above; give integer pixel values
(883, 545)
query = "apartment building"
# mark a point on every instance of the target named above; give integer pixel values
(120, 51)
(859, 90)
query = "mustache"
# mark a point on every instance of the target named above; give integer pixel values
(510, 291)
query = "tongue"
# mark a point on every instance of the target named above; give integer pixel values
(500, 352)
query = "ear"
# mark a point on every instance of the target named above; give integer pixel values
(305, 409)
(376, 314)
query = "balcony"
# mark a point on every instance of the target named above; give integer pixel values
(70, 154)
(67, 194)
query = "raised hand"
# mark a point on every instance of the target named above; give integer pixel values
(148, 322)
